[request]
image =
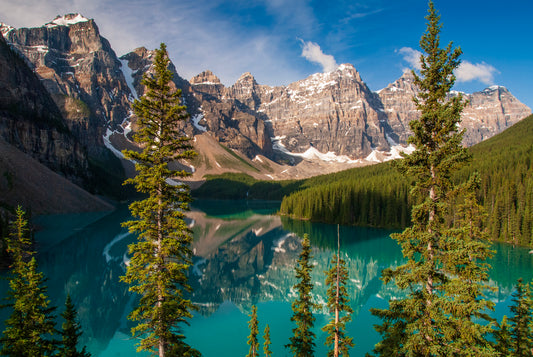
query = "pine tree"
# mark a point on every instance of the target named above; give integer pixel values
(254, 331)
(514, 338)
(339, 305)
(30, 327)
(502, 336)
(70, 333)
(162, 255)
(302, 342)
(267, 343)
(444, 277)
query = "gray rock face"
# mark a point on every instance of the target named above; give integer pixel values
(333, 111)
(486, 114)
(81, 72)
(490, 112)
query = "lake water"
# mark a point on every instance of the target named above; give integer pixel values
(244, 255)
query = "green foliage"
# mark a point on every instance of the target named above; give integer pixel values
(254, 331)
(504, 163)
(267, 342)
(243, 186)
(162, 255)
(30, 327)
(338, 305)
(371, 196)
(70, 333)
(445, 273)
(514, 336)
(302, 342)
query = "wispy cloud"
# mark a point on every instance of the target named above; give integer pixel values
(482, 72)
(312, 52)
(360, 15)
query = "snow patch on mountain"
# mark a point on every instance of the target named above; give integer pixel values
(5, 29)
(67, 20)
(196, 120)
(128, 75)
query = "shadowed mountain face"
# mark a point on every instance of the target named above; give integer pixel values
(38, 152)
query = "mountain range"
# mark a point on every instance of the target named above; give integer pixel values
(73, 111)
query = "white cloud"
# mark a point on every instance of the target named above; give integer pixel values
(466, 71)
(411, 56)
(482, 72)
(197, 36)
(312, 52)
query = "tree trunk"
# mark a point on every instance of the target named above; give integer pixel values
(159, 267)
(336, 350)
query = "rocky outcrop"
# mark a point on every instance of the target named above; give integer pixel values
(80, 70)
(490, 112)
(333, 111)
(486, 113)
(398, 105)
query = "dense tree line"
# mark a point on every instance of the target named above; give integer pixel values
(378, 195)
(504, 163)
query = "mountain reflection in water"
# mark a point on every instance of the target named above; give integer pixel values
(244, 255)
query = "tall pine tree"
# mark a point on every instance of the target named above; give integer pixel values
(30, 328)
(253, 342)
(267, 342)
(302, 342)
(444, 277)
(70, 333)
(338, 305)
(162, 255)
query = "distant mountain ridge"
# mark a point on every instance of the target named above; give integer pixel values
(323, 123)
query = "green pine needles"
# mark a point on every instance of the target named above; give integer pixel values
(253, 342)
(514, 335)
(30, 328)
(162, 255)
(445, 274)
(302, 342)
(339, 305)
(70, 333)
(267, 342)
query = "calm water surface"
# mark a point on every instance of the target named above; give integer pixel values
(244, 255)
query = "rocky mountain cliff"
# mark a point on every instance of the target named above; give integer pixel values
(333, 118)
(30, 120)
(36, 145)
(81, 72)
(486, 114)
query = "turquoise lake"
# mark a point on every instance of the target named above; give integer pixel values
(244, 256)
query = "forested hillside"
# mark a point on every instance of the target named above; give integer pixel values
(504, 163)
(377, 195)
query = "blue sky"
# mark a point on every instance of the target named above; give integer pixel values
(281, 41)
